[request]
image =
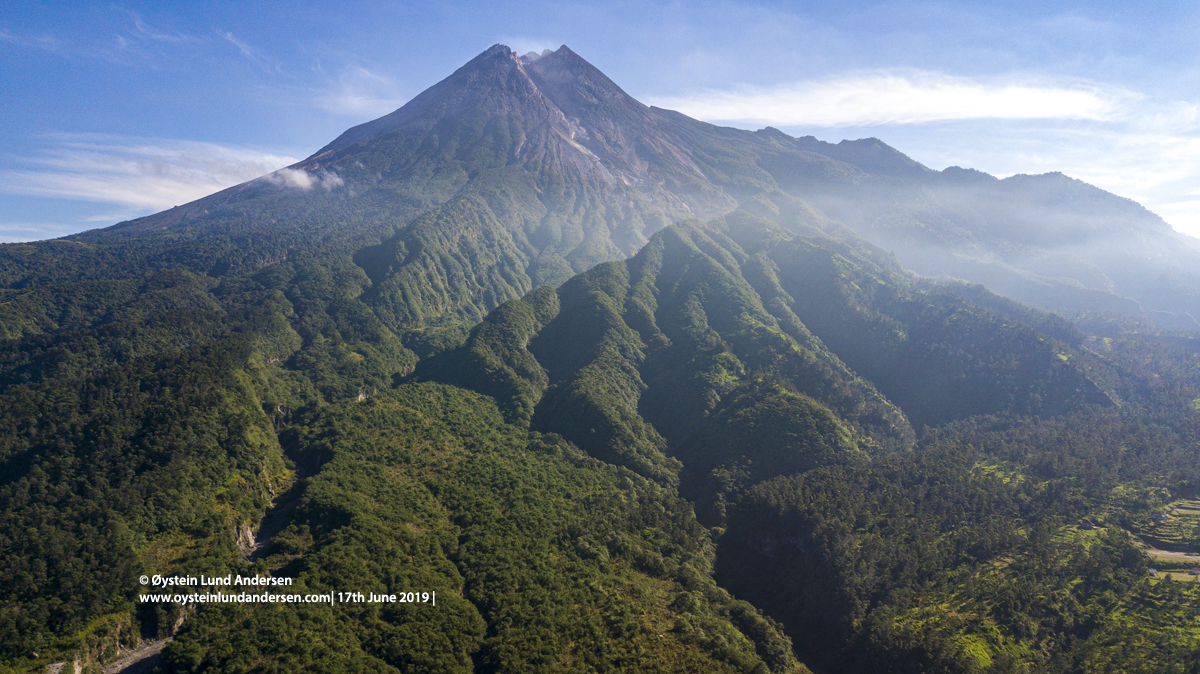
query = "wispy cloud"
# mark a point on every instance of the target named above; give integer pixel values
(135, 172)
(898, 97)
(359, 92)
(263, 61)
(146, 31)
(131, 41)
(43, 42)
(231, 39)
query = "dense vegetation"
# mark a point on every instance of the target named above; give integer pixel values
(601, 464)
(148, 428)
(824, 518)
(543, 559)
(752, 443)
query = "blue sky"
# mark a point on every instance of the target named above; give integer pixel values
(113, 110)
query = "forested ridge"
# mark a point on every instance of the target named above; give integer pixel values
(748, 441)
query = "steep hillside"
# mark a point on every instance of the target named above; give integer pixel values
(718, 359)
(151, 424)
(541, 558)
(593, 374)
(731, 352)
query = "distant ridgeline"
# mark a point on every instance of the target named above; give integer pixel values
(628, 391)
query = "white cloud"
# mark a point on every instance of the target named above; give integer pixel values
(135, 172)
(898, 97)
(304, 180)
(359, 93)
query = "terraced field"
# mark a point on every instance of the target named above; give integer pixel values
(1180, 528)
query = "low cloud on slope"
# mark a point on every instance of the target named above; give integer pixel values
(305, 180)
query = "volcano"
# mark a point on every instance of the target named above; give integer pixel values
(519, 171)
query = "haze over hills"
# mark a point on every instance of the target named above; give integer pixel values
(627, 390)
(1046, 240)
